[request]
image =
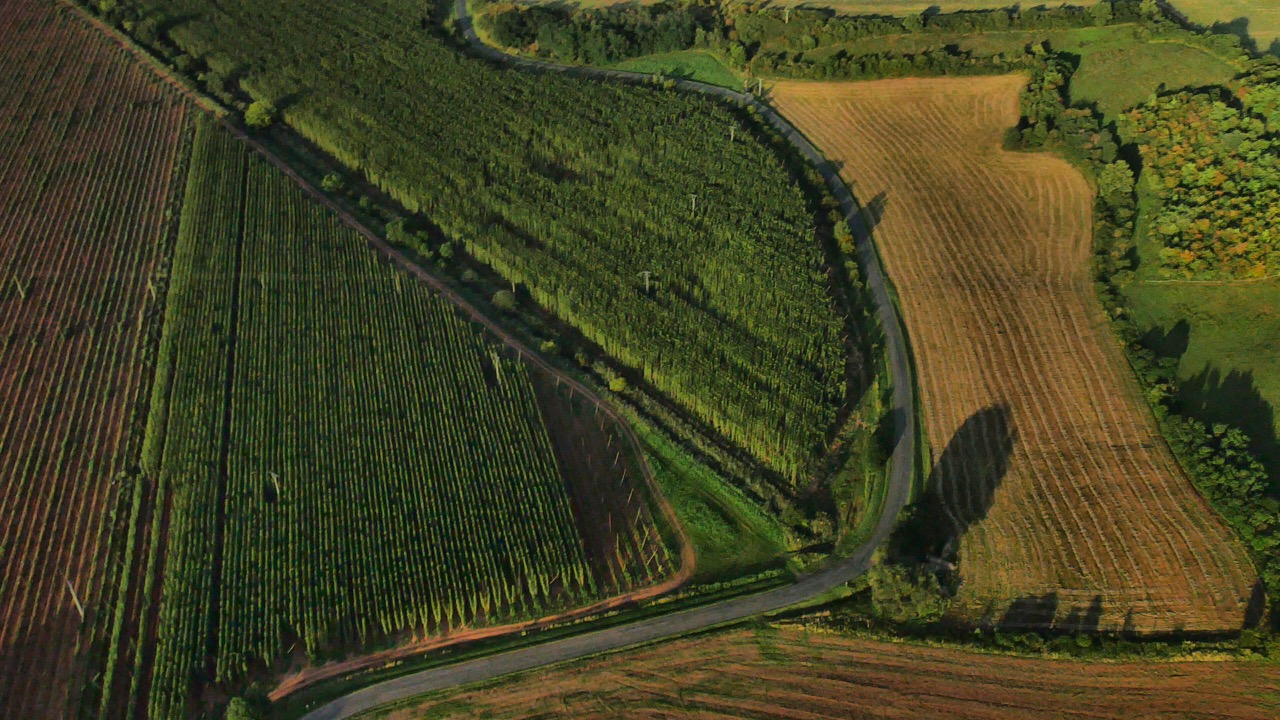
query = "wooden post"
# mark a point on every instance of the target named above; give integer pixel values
(76, 600)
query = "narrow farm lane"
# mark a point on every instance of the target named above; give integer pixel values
(900, 479)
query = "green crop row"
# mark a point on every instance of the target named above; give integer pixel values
(350, 461)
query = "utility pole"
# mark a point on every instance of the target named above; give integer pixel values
(76, 600)
(22, 291)
(759, 86)
(275, 482)
(786, 15)
(646, 274)
(694, 198)
(733, 131)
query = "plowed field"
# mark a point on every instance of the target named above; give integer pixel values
(1070, 508)
(788, 674)
(88, 143)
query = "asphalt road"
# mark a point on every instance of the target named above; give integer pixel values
(806, 588)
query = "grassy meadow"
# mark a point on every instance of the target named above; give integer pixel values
(686, 65)
(1259, 19)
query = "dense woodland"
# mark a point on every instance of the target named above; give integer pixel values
(572, 191)
(596, 36)
(1213, 170)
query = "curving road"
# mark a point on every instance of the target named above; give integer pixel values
(811, 586)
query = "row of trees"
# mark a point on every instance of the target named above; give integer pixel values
(772, 40)
(805, 29)
(594, 36)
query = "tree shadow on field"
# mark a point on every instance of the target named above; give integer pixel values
(874, 210)
(961, 487)
(1033, 611)
(1170, 343)
(1040, 612)
(972, 467)
(1232, 398)
(1238, 27)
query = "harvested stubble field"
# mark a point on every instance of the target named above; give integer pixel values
(790, 674)
(88, 145)
(1070, 508)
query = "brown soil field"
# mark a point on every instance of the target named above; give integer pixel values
(89, 142)
(788, 673)
(1070, 507)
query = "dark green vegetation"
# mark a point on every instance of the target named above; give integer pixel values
(572, 191)
(1212, 177)
(730, 534)
(595, 37)
(349, 461)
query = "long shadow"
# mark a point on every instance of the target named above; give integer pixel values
(962, 486)
(1041, 612)
(1171, 342)
(1232, 398)
(972, 467)
(874, 210)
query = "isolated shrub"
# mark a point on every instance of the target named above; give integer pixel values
(549, 347)
(618, 384)
(331, 183)
(504, 299)
(260, 114)
(240, 709)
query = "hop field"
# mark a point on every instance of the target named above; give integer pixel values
(89, 144)
(1070, 509)
(575, 190)
(349, 460)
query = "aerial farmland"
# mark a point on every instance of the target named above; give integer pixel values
(675, 359)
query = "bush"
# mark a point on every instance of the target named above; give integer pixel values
(260, 114)
(240, 709)
(618, 384)
(332, 183)
(504, 299)
(907, 596)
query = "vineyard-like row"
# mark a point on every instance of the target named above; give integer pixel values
(88, 146)
(349, 460)
(576, 190)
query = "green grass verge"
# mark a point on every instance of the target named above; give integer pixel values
(731, 536)
(1227, 339)
(685, 65)
(1119, 66)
